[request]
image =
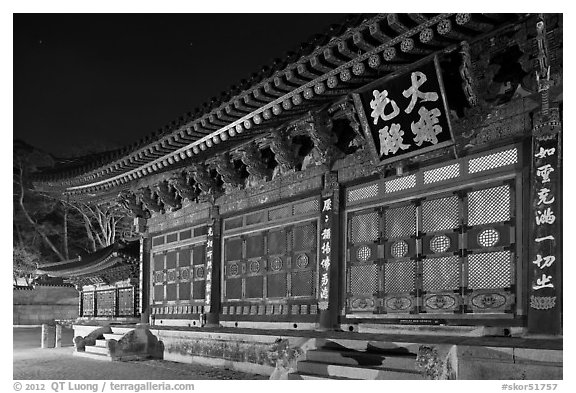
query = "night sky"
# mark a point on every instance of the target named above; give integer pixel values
(85, 83)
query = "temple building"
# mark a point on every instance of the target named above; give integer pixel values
(397, 179)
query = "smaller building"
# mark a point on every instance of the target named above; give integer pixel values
(107, 281)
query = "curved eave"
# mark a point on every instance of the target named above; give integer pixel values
(326, 74)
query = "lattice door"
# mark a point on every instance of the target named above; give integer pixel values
(490, 261)
(275, 263)
(452, 253)
(363, 263)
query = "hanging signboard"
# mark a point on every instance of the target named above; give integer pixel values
(405, 114)
(325, 251)
(545, 255)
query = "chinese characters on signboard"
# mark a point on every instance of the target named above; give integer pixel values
(405, 114)
(544, 216)
(209, 260)
(325, 250)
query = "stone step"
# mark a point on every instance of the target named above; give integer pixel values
(304, 376)
(96, 349)
(100, 343)
(95, 356)
(362, 358)
(354, 372)
(121, 330)
(113, 336)
(368, 346)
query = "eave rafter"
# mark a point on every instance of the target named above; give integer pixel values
(333, 67)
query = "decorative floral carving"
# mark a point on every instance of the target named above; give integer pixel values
(542, 302)
(167, 195)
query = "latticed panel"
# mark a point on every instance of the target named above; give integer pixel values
(88, 303)
(363, 193)
(400, 221)
(489, 205)
(277, 242)
(105, 302)
(255, 246)
(158, 293)
(234, 288)
(233, 223)
(254, 287)
(184, 257)
(363, 279)
(302, 283)
(304, 236)
(281, 212)
(402, 183)
(492, 161)
(199, 253)
(199, 290)
(171, 291)
(442, 173)
(306, 207)
(440, 214)
(171, 260)
(184, 291)
(256, 218)
(158, 261)
(233, 249)
(126, 301)
(490, 270)
(399, 277)
(441, 274)
(277, 285)
(365, 227)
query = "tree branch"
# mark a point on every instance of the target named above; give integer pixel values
(31, 221)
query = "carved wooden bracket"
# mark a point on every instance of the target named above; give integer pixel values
(203, 178)
(181, 183)
(150, 200)
(252, 158)
(284, 150)
(325, 151)
(230, 175)
(129, 202)
(167, 195)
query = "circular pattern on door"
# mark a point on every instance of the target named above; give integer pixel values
(302, 261)
(399, 249)
(364, 253)
(254, 267)
(439, 244)
(233, 269)
(276, 264)
(488, 237)
(200, 272)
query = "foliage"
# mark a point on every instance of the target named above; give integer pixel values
(51, 227)
(25, 261)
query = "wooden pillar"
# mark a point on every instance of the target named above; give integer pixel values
(143, 299)
(330, 255)
(545, 257)
(213, 246)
